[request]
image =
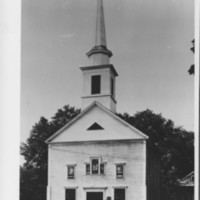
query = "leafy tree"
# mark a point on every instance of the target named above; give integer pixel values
(192, 68)
(174, 143)
(33, 179)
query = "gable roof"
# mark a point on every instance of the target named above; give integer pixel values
(105, 110)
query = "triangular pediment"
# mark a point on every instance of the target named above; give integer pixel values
(103, 124)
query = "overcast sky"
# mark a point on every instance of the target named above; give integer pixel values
(150, 41)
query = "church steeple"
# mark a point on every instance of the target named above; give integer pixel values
(100, 39)
(99, 78)
(99, 54)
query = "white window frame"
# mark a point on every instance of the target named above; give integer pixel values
(87, 173)
(68, 166)
(99, 166)
(123, 170)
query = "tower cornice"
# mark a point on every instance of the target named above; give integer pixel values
(109, 66)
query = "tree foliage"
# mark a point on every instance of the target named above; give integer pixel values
(174, 143)
(191, 71)
(33, 179)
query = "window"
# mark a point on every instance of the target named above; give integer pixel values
(112, 86)
(70, 194)
(120, 170)
(70, 171)
(96, 84)
(102, 168)
(87, 168)
(95, 166)
(119, 194)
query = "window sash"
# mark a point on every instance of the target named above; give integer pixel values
(120, 171)
(70, 172)
(95, 166)
(87, 166)
(102, 168)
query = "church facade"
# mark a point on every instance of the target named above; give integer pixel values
(97, 155)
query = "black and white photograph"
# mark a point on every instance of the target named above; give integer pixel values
(107, 100)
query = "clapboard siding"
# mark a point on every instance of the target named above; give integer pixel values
(133, 153)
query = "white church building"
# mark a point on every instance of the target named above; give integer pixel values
(97, 155)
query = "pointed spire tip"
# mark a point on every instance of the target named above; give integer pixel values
(100, 34)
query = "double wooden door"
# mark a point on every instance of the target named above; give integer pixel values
(94, 196)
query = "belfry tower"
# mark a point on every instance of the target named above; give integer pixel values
(100, 76)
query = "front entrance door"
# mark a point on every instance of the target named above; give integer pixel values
(94, 195)
(119, 194)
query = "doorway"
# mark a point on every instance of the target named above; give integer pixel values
(94, 196)
(119, 194)
(70, 194)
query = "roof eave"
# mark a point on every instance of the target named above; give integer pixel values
(144, 137)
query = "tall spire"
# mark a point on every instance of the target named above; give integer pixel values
(99, 54)
(100, 76)
(100, 39)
